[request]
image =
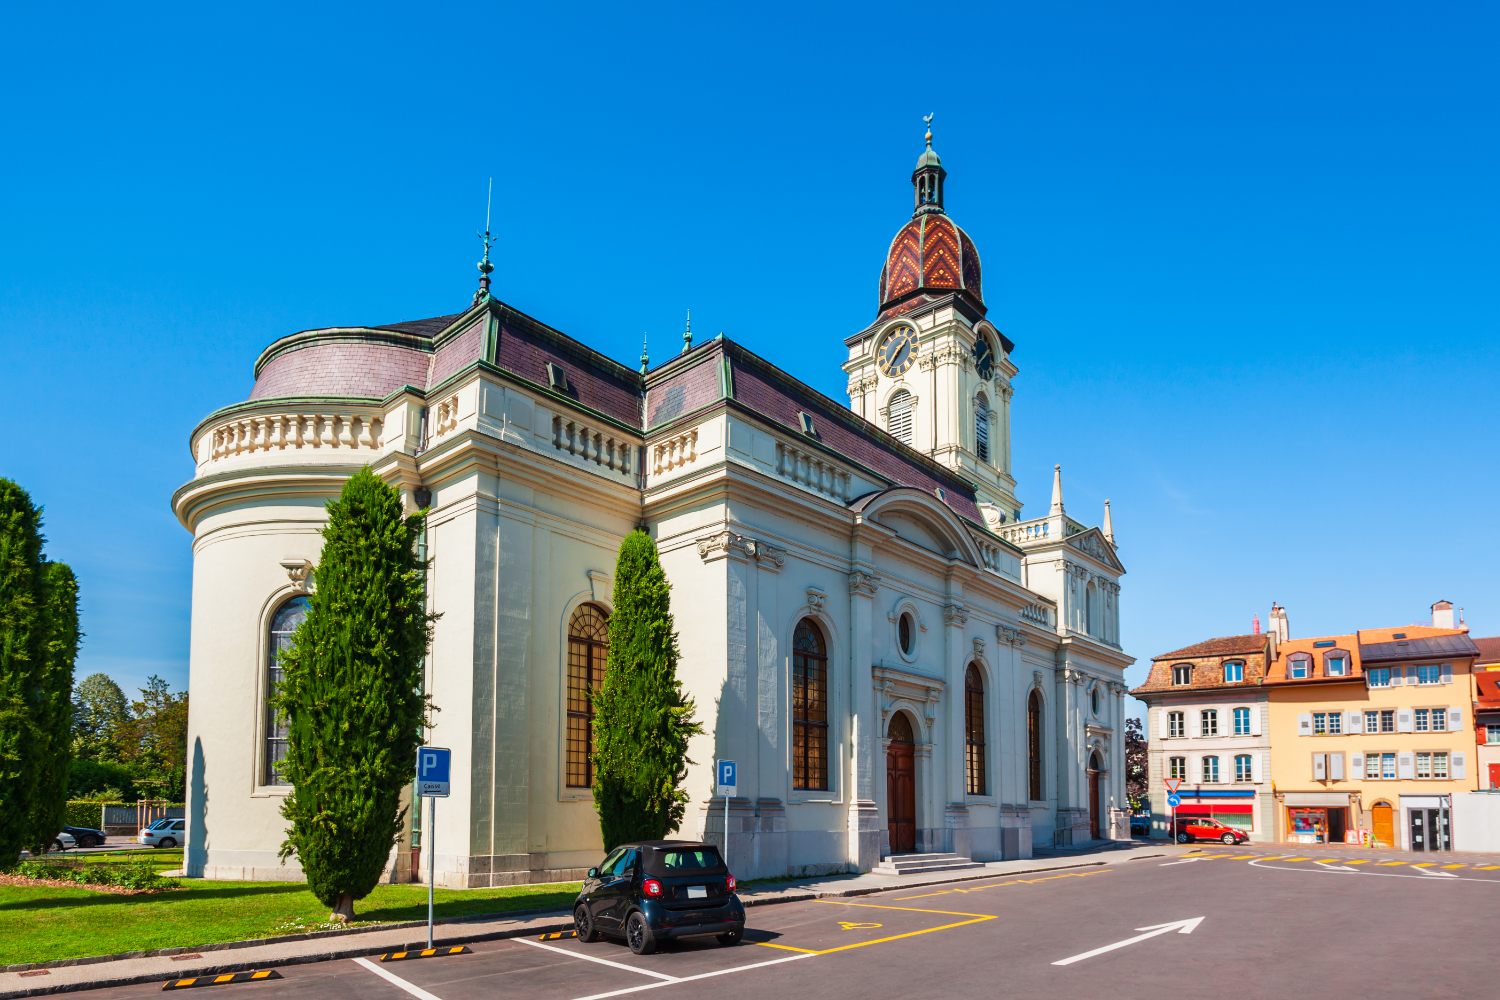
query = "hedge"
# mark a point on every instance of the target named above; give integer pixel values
(131, 875)
(88, 814)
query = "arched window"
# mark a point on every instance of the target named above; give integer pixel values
(1034, 745)
(974, 730)
(982, 427)
(1210, 770)
(588, 656)
(809, 707)
(899, 422)
(283, 623)
(899, 731)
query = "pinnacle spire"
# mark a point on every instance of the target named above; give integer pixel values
(1057, 500)
(485, 267)
(687, 335)
(1109, 525)
(645, 361)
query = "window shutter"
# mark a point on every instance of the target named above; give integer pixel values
(1255, 768)
(1403, 720)
(1357, 765)
(1304, 724)
(1404, 767)
(1161, 725)
(1320, 767)
(1455, 719)
(1458, 765)
(1356, 722)
(1255, 723)
(1336, 767)
(1447, 673)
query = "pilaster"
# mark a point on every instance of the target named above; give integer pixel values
(864, 815)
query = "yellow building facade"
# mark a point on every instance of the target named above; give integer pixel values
(1371, 734)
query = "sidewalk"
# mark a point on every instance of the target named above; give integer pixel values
(240, 956)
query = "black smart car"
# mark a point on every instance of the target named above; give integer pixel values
(659, 889)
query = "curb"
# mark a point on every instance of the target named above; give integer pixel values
(790, 896)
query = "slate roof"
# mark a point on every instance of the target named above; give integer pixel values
(1418, 649)
(1489, 649)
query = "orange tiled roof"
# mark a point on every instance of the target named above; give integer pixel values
(1218, 647)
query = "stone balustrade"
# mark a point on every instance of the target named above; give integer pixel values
(674, 452)
(599, 445)
(1038, 613)
(1023, 532)
(812, 470)
(267, 432)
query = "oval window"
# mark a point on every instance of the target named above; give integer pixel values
(903, 629)
(1096, 700)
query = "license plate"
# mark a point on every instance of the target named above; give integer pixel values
(697, 892)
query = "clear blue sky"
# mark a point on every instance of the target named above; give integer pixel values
(1248, 256)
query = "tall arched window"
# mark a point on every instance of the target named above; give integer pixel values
(283, 623)
(1034, 745)
(974, 730)
(899, 422)
(982, 427)
(588, 653)
(809, 707)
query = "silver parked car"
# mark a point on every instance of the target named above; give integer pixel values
(163, 833)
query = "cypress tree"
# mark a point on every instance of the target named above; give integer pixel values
(22, 665)
(642, 719)
(54, 704)
(351, 695)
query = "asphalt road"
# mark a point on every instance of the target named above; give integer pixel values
(1270, 926)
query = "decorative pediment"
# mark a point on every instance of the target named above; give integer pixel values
(1092, 544)
(896, 686)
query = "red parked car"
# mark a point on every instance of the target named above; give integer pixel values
(1191, 828)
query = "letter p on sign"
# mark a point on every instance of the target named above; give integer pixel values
(433, 764)
(726, 780)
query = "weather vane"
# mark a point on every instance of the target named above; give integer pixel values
(928, 119)
(485, 267)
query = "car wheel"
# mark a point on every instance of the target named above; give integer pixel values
(57, 845)
(1184, 838)
(1229, 839)
(638, 934)
(88, 842)
(583, 925)
(167, 842)
(733, 937)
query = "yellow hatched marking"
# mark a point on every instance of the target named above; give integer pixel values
(1272, 857)
(976, 918)
(1424, 864)
(1387, 864)
(1296, 859)
(1213, 855)
(787, 947)
(1455, 866)
(1484, 868)
(1244, 857)
(1361, 861)
(897, 937)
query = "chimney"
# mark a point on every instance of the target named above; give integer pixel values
(1255, 624)
(1279, 626)
(1442, 614)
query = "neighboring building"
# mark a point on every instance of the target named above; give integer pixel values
(1487, 711)
(896, 659)
(1207, 726)
(1371, 731)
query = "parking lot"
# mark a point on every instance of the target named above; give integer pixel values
(1255, 923)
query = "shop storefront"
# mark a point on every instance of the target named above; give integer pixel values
(1428, 822)
(1234, 809)
(1317, 817)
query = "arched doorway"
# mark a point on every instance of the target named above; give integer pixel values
(1095, 767)
(901, 786)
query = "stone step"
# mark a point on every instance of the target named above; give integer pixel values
(913, 864)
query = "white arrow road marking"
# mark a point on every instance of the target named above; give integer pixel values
(1180, 926)
(1424, 871)
(1169, 864)
(1329, 865)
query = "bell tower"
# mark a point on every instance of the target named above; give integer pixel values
(932, 370)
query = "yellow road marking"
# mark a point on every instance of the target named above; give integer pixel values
(1424, 864)
(1389, 863)
(1214, 855)
(1455, 866)
(910, 909)
(1017, 881)
(1273, 857)
(1484, 868)
(1296, 859)
(846, 925)
(1244, 857)
(897, 937)
(787, 947)
(1361, 861)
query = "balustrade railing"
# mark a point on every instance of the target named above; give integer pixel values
(592, 444)
(809, 469)
(674, 452)
(281, 431)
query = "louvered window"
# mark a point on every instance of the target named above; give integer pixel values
(899, 423)
(982, 428)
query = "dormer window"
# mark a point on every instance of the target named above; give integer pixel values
(1336, 664)
(1234, 672)
(1182, 676)
(1299, 667)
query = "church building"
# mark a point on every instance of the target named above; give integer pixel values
(899, 661)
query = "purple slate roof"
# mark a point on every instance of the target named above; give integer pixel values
(1418, 649)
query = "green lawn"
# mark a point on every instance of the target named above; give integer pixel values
(45, 924)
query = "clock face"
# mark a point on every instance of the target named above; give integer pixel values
(984, 358)
(899, 351)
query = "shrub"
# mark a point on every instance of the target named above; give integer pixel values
(89, 814)
(127, 875)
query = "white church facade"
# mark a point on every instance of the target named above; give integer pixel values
(896, 658)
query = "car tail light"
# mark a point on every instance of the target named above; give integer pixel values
(651, 887)
(729, 883)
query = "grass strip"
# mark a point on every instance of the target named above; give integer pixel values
(47, 924)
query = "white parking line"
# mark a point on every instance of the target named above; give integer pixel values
(701, 975)
(415, 991)
(601, 961)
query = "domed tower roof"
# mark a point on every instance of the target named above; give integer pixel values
(931, 255)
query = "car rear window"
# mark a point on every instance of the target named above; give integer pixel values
(682, 861)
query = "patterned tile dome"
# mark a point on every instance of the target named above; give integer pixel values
(930, 256)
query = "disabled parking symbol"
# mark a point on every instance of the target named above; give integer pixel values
(849, 926)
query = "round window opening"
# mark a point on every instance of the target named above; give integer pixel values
(1096, 701)
(903, 631)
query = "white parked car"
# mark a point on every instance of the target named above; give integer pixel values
(64, 842)
(163, 833)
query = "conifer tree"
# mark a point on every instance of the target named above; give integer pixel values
(22, 646)
(642, 719)
(351, 695)
(53, 709)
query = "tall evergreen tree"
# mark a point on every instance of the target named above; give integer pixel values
(23, 637)
(99, 712)
(351, 695)
(642, 719)
(53, 710)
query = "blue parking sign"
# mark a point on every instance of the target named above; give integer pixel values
(726, 780)
(433, 764)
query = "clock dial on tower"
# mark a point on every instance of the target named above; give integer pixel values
(899, 351)
(984, 358)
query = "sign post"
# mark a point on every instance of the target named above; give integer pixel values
(1173, 801)
(727, 787)
(433, 764)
